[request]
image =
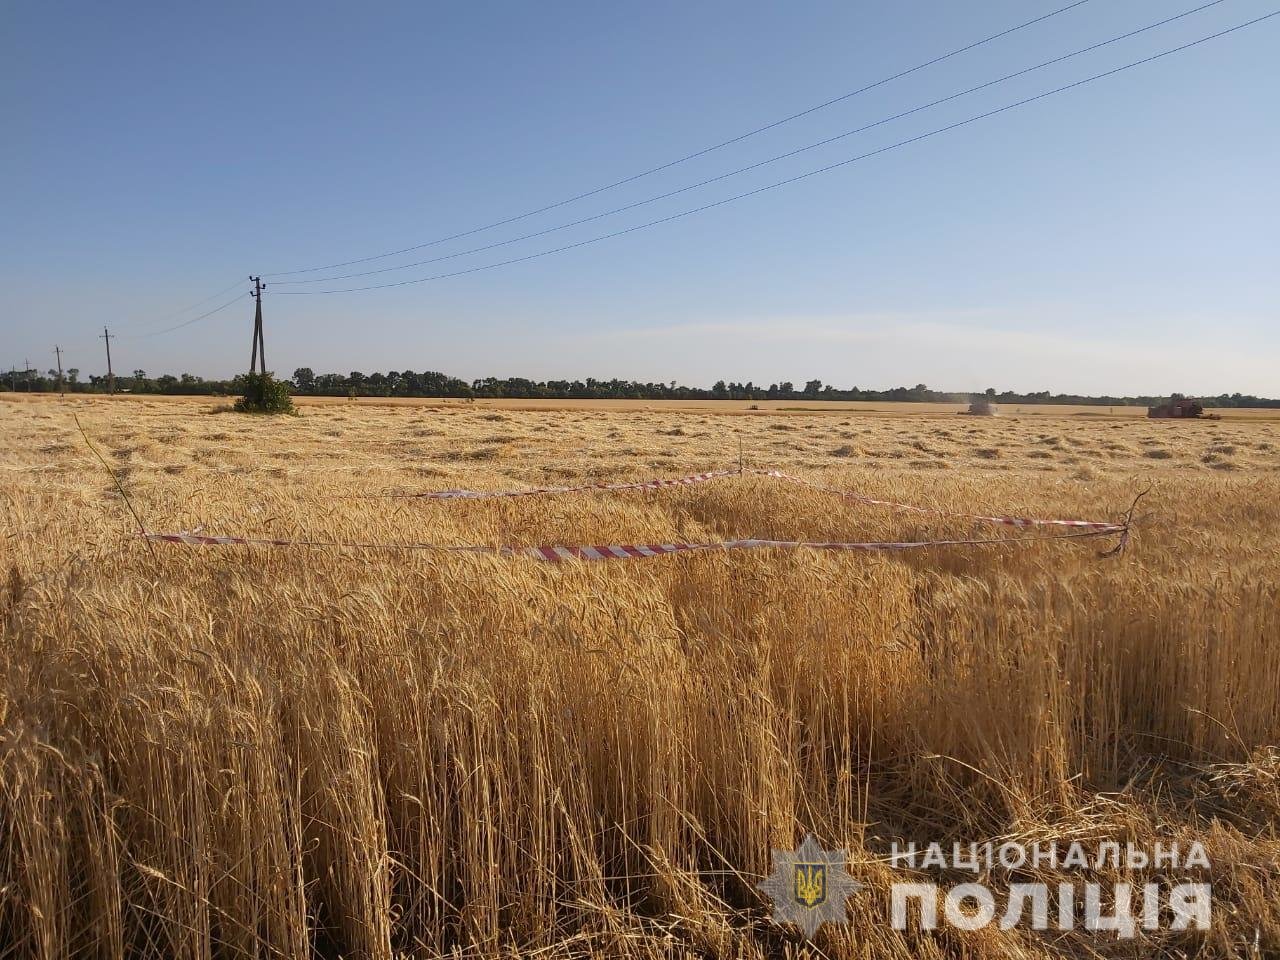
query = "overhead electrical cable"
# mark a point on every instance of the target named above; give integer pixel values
(761, 163)
(186, 323)
(691, 156)
(188, 309)
(803, 176)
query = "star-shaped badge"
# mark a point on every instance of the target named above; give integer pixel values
(809, 886)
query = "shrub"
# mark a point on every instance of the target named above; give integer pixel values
(263, 393)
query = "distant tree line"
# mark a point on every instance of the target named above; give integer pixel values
(407, 383)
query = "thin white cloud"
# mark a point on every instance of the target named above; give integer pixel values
(960, 350)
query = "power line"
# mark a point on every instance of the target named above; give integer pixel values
(695, 154)
(761, 163)
(186, 323)
(188, 309)
(803, 176)
(214, 296)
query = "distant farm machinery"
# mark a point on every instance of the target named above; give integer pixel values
(1179, 408)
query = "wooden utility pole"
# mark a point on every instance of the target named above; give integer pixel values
(26, 376)
(111, 377)
(57, 350)
(259, 356)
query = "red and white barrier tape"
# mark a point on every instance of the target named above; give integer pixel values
(1020, 522)
(581, 488)
(626, 551)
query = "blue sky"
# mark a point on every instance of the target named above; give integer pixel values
(1120, 237)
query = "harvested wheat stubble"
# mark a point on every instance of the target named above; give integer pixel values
(210, 753)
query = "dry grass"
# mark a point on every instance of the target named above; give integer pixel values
(803, 407)
(232, 752)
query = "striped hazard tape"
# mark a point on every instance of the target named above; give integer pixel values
(625, 551)
(580, 488)
(1022, 522)
(1012, 521)
(630, 551)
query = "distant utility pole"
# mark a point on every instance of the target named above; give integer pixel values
(26, 376)
(57, 350)
(259, 356)
(13, 379)
(111, 377)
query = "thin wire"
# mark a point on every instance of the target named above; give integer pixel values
(799, 177)
(761, 163)
(178, 313)
(187, 323)
(694, 155)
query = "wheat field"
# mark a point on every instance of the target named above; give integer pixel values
(302, 752)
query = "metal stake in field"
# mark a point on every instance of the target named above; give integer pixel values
(58, 353)
(111, 377)
(259, 355)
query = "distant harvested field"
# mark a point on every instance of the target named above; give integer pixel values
(292, 752)
(812, 407)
